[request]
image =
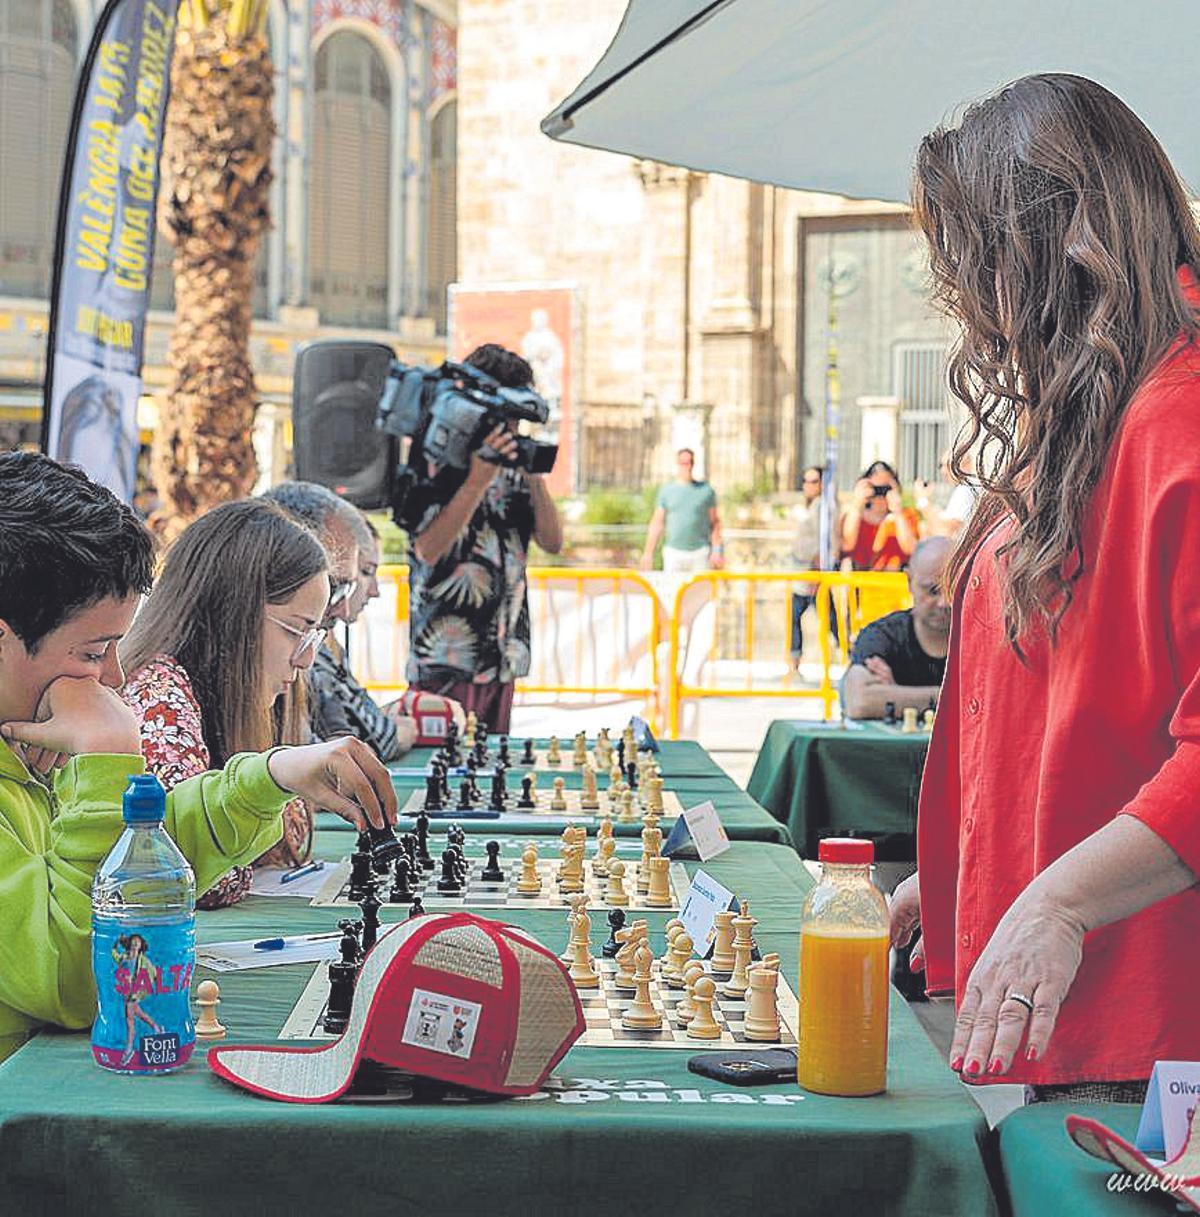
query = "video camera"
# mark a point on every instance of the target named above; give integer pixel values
(449, 411)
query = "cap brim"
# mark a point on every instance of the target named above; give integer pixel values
(322, 1073)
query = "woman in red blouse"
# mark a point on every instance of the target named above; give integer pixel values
(214, 656)
(1059, 834)
(878, 531)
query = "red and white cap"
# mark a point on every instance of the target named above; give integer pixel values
(449, 996)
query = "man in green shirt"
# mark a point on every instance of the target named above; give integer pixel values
(74, 563)
(685, 519)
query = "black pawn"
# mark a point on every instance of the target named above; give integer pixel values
(433, 793)
(616, 921)
(493, 872)
(369, 905)
(526, 801)
(504, 759)
(448, 884)
(527, 757)
(342, 975)
(360, 875)
(889, 713)
(499, 796)
(417, 909)
(464, 797)
(401, 891)
(423, 855)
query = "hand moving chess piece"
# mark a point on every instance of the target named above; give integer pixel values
(642, 1015)
(530, 882)
(615, 893)
(702, 1025)
(208, 998)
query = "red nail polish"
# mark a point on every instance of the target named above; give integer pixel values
(974, 1066)
(1032, 1054)
(997, 1066)
(956, 1064)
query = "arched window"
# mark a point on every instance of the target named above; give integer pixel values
(39, 48)
(349, 199)
(441, 249)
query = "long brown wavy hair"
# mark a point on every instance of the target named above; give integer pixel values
(1056, 226)
(206, 612)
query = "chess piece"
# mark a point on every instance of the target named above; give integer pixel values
(553, 755)
(208, 998)
(448, 884)
(499, 795)
(492, 872)
(642, 1015)
(526, 802)
(927, 720)
(909, 724)
(628, 939)
(433, 792)
(702, 1025)
(580, 757)
(424, 859)
(672, 928)
(685, 1010)
(722, 955)
(527, 757)
(530, 882)
(616, 921)
(589, 800)
(401, 890)
(582, 970)
(631, 775)
(762, 1009)
(417, 909)
(558, 801)
(658, 895)
(369, 905)
(465, 801)
(621, 754)
(605, 848)
(343, 973)
(360, 875)
(504, 758)
(615, 893)
(653, 787)
(627, 815)
(681, 955)
(570, 875)
(889, 713)
(743, 949)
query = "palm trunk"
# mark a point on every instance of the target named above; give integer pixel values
(214, 209)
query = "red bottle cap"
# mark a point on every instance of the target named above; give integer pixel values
(849, 851)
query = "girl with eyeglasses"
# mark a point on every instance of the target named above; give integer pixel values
(215, 655)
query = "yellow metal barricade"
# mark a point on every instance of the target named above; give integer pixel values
(856, 597)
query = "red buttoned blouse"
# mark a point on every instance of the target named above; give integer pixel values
(1028, 759)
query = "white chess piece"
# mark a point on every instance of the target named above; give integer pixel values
(702, 1025)
(642, 1015)
(589, 800)
(530, 882)
(615, 893)
(658, 894)
(762, 1009)
(208, 998)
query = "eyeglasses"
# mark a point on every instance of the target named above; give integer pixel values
(310, 639)
(341, 591)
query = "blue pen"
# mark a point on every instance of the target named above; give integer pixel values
(301, 871)
(277, 944)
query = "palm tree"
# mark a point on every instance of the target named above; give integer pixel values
(214, 209)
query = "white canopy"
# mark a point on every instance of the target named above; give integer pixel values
(836, 96)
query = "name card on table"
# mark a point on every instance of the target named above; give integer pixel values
(702, 826)
(642, 735)
(1171, 1098)
(705, 899)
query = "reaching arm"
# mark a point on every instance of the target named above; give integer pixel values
(653, 535)
(547, 525)
(865, 696)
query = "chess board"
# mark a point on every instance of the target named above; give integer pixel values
(602, 1009)
(897, 728)
(672, 807)
(480, 895)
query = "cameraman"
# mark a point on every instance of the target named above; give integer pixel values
(469, 541)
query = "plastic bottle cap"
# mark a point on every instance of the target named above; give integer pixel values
(145, 800)
(849, 851)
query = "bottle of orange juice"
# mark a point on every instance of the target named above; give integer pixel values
(844, 975)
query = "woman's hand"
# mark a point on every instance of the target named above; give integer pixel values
(895, 502)
(342, 775)
(1034, 953)
(864, 492)
(905, 910)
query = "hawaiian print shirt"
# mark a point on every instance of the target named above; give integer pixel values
(470, 609)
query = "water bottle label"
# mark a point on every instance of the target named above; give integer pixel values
(143, 976)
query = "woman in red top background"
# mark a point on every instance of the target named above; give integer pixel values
(1059, 833)
(878, 532)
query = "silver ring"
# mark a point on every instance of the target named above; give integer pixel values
(1022, 999)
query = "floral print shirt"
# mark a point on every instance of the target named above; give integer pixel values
(174, 750)
(470, 609)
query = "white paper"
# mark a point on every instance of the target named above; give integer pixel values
(708, 834)
(705, 899)
(267, 882)
(1171, 1098)
(243, 956)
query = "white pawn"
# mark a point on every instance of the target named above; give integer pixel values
(627, 815)
(642, 1015)
(681, 955)
(530, 882)
(558, 801)
(615, 893)
(208, 998)
(685, 1011)
(672, 928)
(553, 755)
(702, 1025)
(605, 848)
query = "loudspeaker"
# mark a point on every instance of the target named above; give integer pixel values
(335, 398)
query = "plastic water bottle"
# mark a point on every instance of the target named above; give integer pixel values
(143, 942)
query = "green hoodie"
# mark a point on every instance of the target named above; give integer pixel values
(51, 844)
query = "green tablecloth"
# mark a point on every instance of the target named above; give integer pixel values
(616, 1132)
(1046, 1173)
(824, 780)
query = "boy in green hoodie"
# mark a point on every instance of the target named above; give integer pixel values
(73, 563)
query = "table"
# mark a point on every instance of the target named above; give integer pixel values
(829, 779)
(1045, 1172)
(615, 1132)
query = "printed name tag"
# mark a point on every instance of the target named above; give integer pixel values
(705, 899)
(441, 1024)
(1171, 1098)
(708, 833)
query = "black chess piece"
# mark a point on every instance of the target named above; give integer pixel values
(424, 858)
(369, 905)
(451, 745)
(616, 921)
(360, 875)
(631, 775)
(343, 973)
(461, 867)
(493, 872)
(473, 782)
(417, 909)
(433, 793)
(456, 835)
(401, 890)
(527, 802)
(504, 759)
(621, 754)
(499, 795)
(448, 884)
(384, 846)
(464, 797)
(527, 757)
(363, 846)
(889, 713)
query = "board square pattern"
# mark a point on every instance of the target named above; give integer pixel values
(573, 798)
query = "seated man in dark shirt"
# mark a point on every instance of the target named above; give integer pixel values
(901, 658)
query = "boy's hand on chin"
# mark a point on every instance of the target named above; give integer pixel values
(76, 715)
